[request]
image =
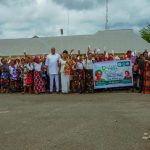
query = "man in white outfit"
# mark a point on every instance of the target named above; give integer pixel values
(52, 63)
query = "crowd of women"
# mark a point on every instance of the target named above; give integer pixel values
(66, 72)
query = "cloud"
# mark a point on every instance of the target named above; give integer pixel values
(79, 4)
(26, 18)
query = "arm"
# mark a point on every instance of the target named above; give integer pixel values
(79, 52)
(47, 66)
(88, 50)
(147, 61)
(59, 65)
(71, 53)
(47, 70)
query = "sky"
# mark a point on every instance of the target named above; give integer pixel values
(27, 18)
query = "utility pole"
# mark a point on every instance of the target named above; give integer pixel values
(106, 24)
(61, 38)
(68, 23)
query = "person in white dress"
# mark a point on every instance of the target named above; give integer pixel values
(65, 72)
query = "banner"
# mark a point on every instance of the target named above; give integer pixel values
(110, 74)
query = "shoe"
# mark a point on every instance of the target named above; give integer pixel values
(64, 93)
(140, 91)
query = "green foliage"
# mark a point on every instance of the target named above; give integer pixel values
(145, 33)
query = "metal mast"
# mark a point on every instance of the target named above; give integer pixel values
(106, 24)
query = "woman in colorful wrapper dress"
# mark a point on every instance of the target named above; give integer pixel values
(65, 66)
(39, 84)
(0, 73)
(135, 75)
(5, 76)
(146, 84)
(73, 72)
(20, 75)
(13, 69)
(146, 74)
(44, 73)
(78, 77)
(27, 75)
(89, 83)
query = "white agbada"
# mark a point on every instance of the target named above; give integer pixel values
(52, 63)
(65, 79)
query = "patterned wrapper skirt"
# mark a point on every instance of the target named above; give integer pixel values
(146, 83)
(16, 85)
(5, 83)
(78, 81)
(39, 83)
(13, 85)
(27, 79)
(89, 84)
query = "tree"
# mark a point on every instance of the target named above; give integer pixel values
(35, 36)
(145, 33)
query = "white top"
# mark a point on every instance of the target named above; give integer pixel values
(52, 63)
(73, 65)
(11, 69)
(37, 67)
(16, 65)
(63, 63)
(80, 65)
(88, 64)
(29, 66)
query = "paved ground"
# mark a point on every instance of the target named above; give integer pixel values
(104, 121)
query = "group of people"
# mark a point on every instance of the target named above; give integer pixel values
(66, 72)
